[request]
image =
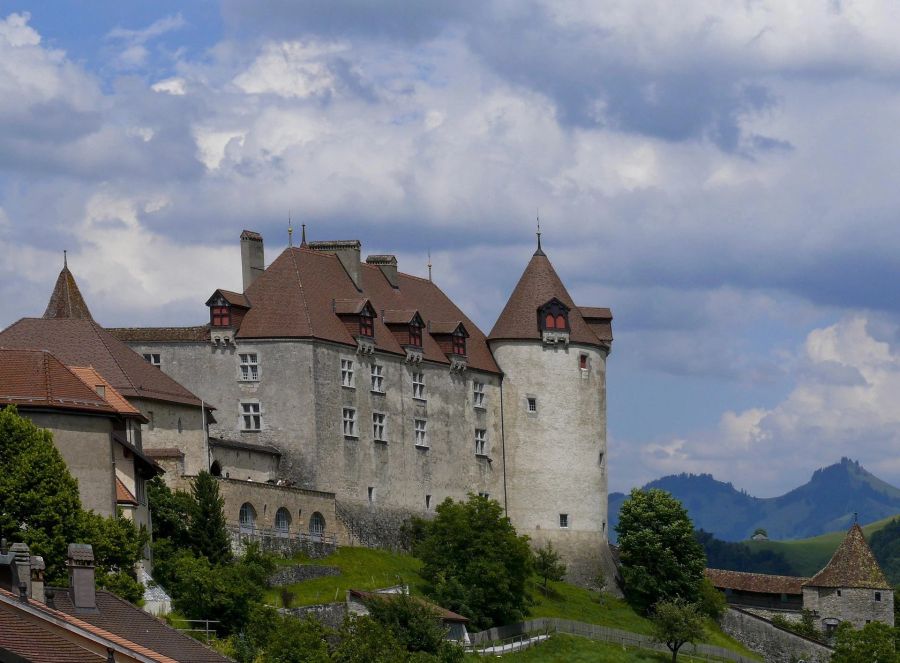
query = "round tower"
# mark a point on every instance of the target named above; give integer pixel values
(553, 357)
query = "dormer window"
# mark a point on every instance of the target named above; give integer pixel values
(554, 316)
(366, 324)
(459, 344)
(220, 316)
(415, 335)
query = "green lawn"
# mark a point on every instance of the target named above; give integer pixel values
(808, 556)
(571, 649)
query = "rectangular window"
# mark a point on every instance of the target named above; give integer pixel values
(378, 426)
(366, 326)
(480, 442)
(532, 404)
(877, 596)
(415, 336)
(428, 501)
(349, 422)
(249, 366)
(251, 419)
(564, 520)
(583, 361)
(459, 345)
(221, 316)
(152, 358)
(478, 394)
(418, 384)
(421, 432)
(371, 494)
(378, 378)
(347, 373)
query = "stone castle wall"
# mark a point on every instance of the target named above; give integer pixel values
(857, 606)
(776, 644)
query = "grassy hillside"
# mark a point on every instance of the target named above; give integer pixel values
(364, 568)
(807, 556)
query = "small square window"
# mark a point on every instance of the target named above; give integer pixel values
(152, 358)
(478, 394)
(379, 421)
(532, 404)
(349, 421)
(564, 520)
(480, 442)
(421, 432)
(249, 363)
(418, 385)
(251, 417)
(347, 373)
(371, 494)
(378, 378)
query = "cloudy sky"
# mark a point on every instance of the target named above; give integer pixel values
(723, 174)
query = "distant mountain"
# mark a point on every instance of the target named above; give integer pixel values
(824, 504)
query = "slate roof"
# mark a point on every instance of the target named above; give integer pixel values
(853, 566)
(293, 299)
(122, 618)
(66, 300)
(444, 614)
(36, 378)
(760, 583)
(78, 342)
(539, 284)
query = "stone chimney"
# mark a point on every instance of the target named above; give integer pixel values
(253, 261)
(23, 566)
(37, 578)
(348, 252)
(388, 267)
(81, 578)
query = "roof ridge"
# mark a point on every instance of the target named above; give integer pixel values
(94, 327)
(303, 302)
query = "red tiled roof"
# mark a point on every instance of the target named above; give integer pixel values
(852, 565)
(118, 616)
(234, 298)
(760, 583)
(172, 334)
(394, 317)
(85, 343)
(443, 613)
(539, 284)
(66, 300)
(93, 380)
(123, 495)
(36, 378)
(438, 327)
(349, 306)
(293, 299)
(22, 636)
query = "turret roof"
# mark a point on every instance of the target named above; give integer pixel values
(66, 300)
(853, 565)
(539, 284)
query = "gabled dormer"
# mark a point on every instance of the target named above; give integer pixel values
(553, 321)
(451, 337)
(226, 311)
(358, 316)
(407, 327)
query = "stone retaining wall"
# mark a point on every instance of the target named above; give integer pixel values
(776, 644)
(288, 575)
(329, 614)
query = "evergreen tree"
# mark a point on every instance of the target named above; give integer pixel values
(208, 534)
(661, 559)
(547, 564)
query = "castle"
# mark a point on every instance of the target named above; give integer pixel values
(336, 394)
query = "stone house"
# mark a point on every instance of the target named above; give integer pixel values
(372, 385)
(93, 426)
(850, 588)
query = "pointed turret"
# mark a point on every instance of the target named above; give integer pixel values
(853, 565)
(66, 300)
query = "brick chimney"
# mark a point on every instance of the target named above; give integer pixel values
(253, 261)
(388, 267)
(348, 252)
(81, 578)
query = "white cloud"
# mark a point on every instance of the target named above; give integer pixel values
(290, 69)
(174, 86)
(132, 43)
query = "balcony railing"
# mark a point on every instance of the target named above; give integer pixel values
(251, 531)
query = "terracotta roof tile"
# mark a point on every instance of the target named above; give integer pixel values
(37, 378)
(66, 300)
(755, 582)
(171, 334)
(85, 343)
(349, 306)
(401, 317)
(123, 495)
(852, 565)
(234, 298)
(22, 636)
(93, 379)
(539, 284)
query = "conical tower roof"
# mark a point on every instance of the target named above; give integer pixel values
(853, 565)
(66, 300)
(539, 284)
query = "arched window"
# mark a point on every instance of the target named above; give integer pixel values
(554, 316)
(560, 321)
(248, 517)
(282, 522)
(550, 321)
(317, 524)
(215, 469)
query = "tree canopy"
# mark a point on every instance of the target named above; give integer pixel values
(874, 643)
(675, 623)
(474, 562)
(660, 557)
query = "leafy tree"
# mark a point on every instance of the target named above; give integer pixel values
(363, 640)
(118, 545)
(547, 564)
(710, 600)
(805, 627)
(39, 502)
(208, 534)
(298, 641)
(675, 623)
(885, 544)
(475, 563)
(415, 626)
(874, 643)
(172, 512)
(760, 531)
(660, 558)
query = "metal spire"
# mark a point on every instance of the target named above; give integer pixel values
(429, 264)
(290, 231)
(303, 236)
(65, 259)
(539, 251)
